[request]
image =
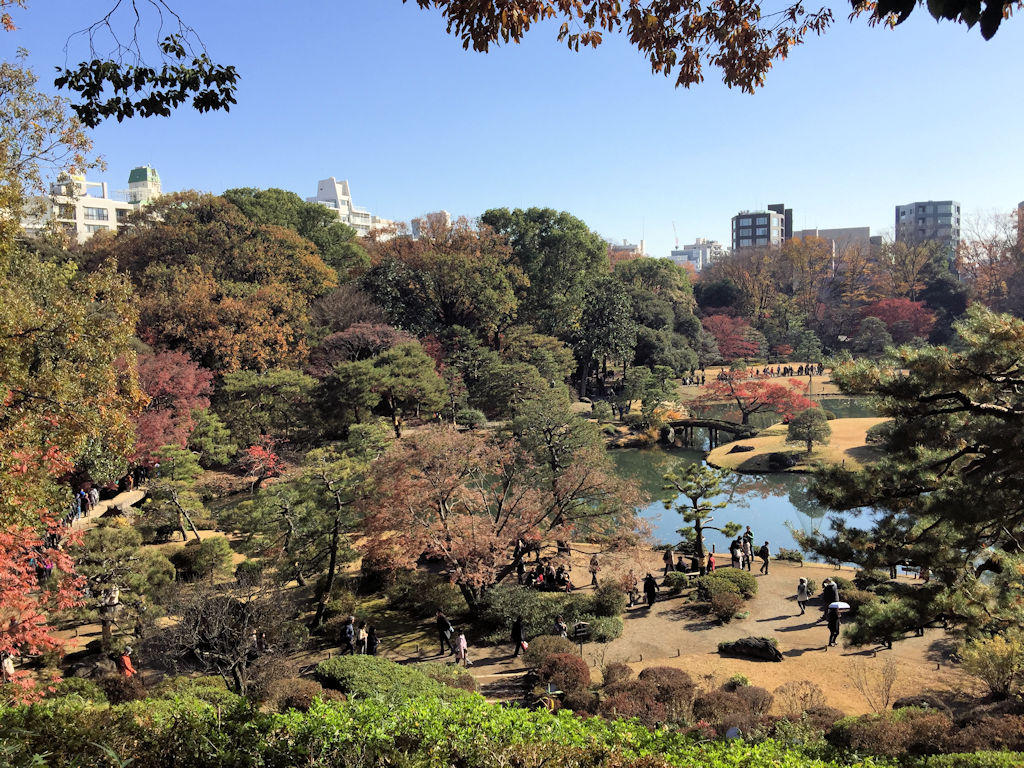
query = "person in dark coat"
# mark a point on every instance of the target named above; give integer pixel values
(444, 633)
(372, 641)
(650, 589)
(829, 595)
(833, 620)
(517, 635)
(667, 557)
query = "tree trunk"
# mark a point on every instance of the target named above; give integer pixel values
(183, 515)
(325, 593)
(107, 634)
(472, 598)
(584, 375)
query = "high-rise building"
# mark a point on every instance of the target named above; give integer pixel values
(698, 254)
(83, 208)
(337, 196)
(763, 229)
(625, 252)
(840, 237)
(931, 220)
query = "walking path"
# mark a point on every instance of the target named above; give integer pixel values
(123, 500)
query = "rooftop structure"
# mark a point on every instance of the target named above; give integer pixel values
(337, 196)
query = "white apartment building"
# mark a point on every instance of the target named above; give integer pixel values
(700, 253)
(337, 196)
(84, 207)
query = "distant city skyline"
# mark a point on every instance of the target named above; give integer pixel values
(379, 95)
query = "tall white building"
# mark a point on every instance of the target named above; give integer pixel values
(700, 253)
(337, 196)
(84, 207)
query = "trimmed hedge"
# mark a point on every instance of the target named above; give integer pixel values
(371, 677)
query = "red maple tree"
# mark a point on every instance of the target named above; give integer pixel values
(731, 335)
(261, 461)
(175, 386)
(754, 395)
(905, 319)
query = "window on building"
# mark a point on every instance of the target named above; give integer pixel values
(762, 241)
(66, 212)
(762, 219)
(94, 228)
(744, 242)
(122, 215)
(745, 222)
(762, 231)
(97, 214)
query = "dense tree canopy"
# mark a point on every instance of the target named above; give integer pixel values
(948, 488)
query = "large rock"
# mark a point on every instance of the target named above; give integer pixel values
(777, 461)
(741, 449)
(94, 667)
(752, 648)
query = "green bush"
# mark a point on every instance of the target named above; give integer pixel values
(202, 559)
(879, 434)
(725, 605)
(601, 410)
(745, 581)
(470, 418)
(789, 555)
(844, 585)
(969, 760)
(604, 629)
(812, 587)
(504, 603)
(676, 582)
(870, 579)
(736, 681)
(997, 661)
(78, 686)
(609, 599)
(450, 675)
(210, 689)
(424, 594)
(829, 415)
(543, 646)
(297, 693)
(249, 573)
(710, 585)
(565, 671)
(857, 598)
(371, 677)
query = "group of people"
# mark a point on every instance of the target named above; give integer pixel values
(359, 639)
(455, 640)
(85, 501)
(829, 596)
(544, 576)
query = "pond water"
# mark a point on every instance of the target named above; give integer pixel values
(770, 504)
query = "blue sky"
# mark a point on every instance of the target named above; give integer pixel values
(853, 123)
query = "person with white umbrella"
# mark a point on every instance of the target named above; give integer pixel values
(832, 617)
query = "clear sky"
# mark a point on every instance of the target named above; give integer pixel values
(853, 123)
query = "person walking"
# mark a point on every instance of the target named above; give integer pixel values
(517, 636)
(361, 635)
(631, 588)
(748, 554)
(829, 595)
(765, 554)
(372, 641)
(650, 589)
(444, 633)
(667, 559)
(801, 595)
(711, 562)
(461, 646)
(595, 566)
(735, 553)
(834, 622)
(124, 662)
(348, 636)
(748, 536)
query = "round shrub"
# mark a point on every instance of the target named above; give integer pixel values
(451, 675)
(470, 418)
(372, 677)
(119, 689)
(829, 415)
(869, 579)
(633, 698)
(789, 555)
(249, 573)
(757, 700)
(716, 706)
(725, 605)
(822, 718)
(857, 598)
(675, 691)
(998, 732)
(608, 599)
(294, 693)
(580, 701)
(745, 581)
(202, 559)
(543, 646)
(710, 585)
(604, 629)
(892, 734)
(566, 671)
(736, 681)
(675, 582)
(799, 696)
(615, 672)
(601, 411)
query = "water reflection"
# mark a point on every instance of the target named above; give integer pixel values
(767, 503)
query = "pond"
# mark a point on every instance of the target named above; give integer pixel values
(767, 503)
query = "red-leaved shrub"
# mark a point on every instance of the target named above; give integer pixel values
(566, 671)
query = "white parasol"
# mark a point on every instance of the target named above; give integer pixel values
(840, 606)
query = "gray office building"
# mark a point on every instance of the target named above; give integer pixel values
(762, 229)
(840, 237)
(931, 220)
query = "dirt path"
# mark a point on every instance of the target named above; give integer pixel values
(123, 500)
(673, 633)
